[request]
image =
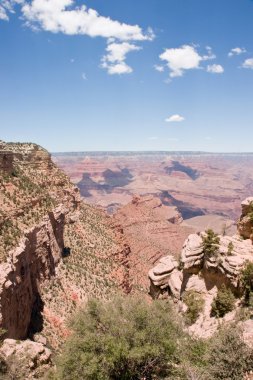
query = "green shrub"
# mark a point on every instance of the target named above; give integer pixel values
(223, 302)
(246, 278)
(230, 248)
(195, 305)
(228, 356)
(126, 339)
(210, 244)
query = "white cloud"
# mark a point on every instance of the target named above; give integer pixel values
(159, 68)
(174, 118)
(152, 138)
(118, 68)
(215, 69)
(6, 7)
(236, 51)
(63, 16)
(114, 60)
(84, 77)
(184, 58)
(248, 63)
(3, 14)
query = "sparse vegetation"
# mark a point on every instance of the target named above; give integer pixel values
(195, 305)
(228, 356)
(247, 281)
(230, 248)
(223, 302)
(210, 243)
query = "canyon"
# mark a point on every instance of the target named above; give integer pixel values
(59, 245)
(196, 183)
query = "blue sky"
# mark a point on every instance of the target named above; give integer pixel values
(134, 75)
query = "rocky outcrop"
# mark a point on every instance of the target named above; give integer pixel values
(28, 154)
(207, 262)
(245, 224)
(25, 360)
(166, 275)
(33, 261)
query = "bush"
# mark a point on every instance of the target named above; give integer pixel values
(210, 243)
(230, 248)
(195, 305)
(223, 302)
(126, 339)
(246, 278)
(228, 356)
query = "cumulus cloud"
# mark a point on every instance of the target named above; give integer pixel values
(63, 16)
(114, 60)
(174, 118)
(248, 63)
(237, 51)
(215, 69)
(184, 58)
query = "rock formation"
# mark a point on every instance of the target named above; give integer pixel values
(245, 223)
(25, 359)
(204, 269)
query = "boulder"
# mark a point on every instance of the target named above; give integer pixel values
(192, 253)
(245, 223)
(25, 359)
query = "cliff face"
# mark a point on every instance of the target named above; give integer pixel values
(28, 265)
(55, 251)
(36, 199)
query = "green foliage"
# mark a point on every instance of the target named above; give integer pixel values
(246, 278)
(210, 243)
(223, 302)
(195, 305)
(230, 248)
(130, 339)
(228, 356)
(126, 339)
